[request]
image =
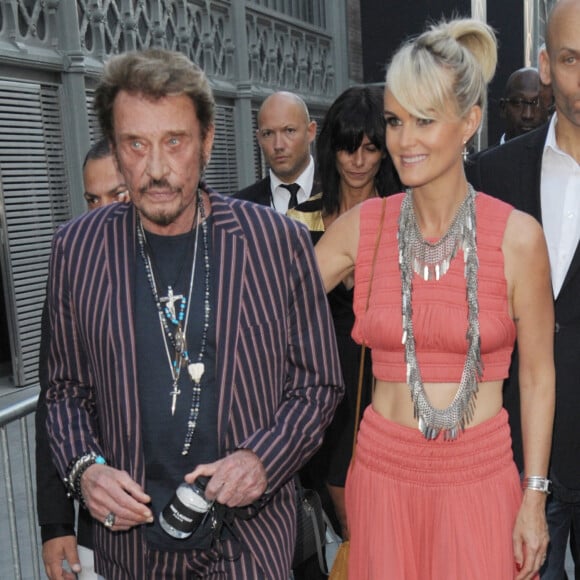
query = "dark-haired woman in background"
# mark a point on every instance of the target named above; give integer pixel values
(353, 165)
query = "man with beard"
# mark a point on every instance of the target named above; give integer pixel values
(193, 340)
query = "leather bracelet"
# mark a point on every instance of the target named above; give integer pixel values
(537, 483)
(74, 472)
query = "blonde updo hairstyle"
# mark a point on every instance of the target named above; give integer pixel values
(448, 65)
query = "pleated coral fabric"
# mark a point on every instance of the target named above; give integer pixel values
(432, 510)
(439, 308)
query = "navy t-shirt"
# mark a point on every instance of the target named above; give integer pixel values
(163, 433)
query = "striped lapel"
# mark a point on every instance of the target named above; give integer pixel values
(122, 370)
(229, 255)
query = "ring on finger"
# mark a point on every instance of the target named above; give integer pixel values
(110, 520)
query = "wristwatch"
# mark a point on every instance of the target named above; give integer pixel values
(537, 483)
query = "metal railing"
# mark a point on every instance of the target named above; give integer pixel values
(19, 529)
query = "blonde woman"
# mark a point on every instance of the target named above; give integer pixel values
(452, 278)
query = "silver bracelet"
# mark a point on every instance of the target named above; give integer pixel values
(537, 483)
(75, 471)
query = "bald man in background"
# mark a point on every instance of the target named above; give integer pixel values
(285, 133)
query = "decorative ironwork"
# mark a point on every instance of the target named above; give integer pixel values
(288, 56)
(310, 11)
(201, 30)
(29, 22)
(288, 44)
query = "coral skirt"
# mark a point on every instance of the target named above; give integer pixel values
(432, 510)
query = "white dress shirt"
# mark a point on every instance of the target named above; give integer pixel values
(281, 196)
(560, 199)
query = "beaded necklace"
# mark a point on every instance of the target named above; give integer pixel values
(174, 322)
(431, 261)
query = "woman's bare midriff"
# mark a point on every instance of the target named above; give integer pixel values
(393, 400)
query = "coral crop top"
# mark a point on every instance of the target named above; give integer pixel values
(439, 307)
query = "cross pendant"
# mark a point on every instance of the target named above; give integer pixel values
(170, 300)
(174, 394)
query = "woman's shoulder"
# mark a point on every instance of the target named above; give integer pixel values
(518, 229)
(524, 229)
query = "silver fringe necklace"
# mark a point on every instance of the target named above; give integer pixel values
(431, 261)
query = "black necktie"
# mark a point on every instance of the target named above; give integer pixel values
(293, 189)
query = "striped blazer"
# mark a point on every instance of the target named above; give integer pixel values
(277, 365)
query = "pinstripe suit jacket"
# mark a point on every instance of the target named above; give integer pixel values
(277, 365)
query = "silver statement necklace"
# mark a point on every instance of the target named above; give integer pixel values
(174, 321)
(431, 261)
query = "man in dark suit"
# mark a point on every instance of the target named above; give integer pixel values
(522, 107)
(540, 173)
(56, 514)
(191, 337)
(285, 133)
